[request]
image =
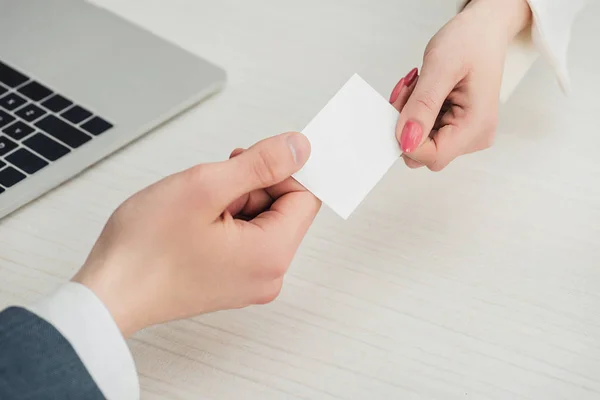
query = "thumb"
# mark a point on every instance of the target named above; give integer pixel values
(423, 107)
(265, 164)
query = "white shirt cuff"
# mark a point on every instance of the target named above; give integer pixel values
(549, 35)
(76, 312)
(553, 21)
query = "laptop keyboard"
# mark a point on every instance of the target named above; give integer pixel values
(38, 126)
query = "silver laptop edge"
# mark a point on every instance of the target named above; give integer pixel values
(118, 71)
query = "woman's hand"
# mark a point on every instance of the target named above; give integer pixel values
(217, 236)
(452, 108)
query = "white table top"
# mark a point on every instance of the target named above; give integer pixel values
(482, 281)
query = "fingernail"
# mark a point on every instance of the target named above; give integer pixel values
(236, 152)
(396, 91)
(411, 76)
(299, 146)
(412, 133)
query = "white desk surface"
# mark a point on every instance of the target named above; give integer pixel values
(480, 282)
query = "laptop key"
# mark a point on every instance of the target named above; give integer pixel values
(2, 164)
(12, 101)
(31, 112)
(1, 190)
(57, 103)
(6, 145)
(9, 176)
(10, 77)
(5, 118)
(46, 147)
(96, 126)
(18, 130)
(76, 114)
(62, 131)
(35, 91)
(26, 161)
(3, 90)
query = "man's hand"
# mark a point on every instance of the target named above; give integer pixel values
(217, 236)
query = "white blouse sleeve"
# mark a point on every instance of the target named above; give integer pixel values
(548, 36)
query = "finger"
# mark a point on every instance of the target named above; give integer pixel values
(410, 163)
(251, 204)
(265, 164)
(260, 200)
(424, 105)
(404, 95)
(445, 114)
(439, 150)
(274, 192)
(288, 186)
(284, 225)
(405, 81)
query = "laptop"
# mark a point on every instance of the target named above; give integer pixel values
(76, 84)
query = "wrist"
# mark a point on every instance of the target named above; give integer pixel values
(510, 17)
(108, 293)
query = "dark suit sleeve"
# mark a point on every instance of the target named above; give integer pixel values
(37, 362)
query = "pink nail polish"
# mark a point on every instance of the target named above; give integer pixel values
(411, 76)
(396, 91)
(412, 133)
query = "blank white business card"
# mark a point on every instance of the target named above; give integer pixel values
(353, 145)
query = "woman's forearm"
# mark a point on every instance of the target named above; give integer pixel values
(509, 16)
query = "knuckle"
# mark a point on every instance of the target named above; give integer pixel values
(127, 206)
(199, 183)
(488, 133)
(120, 216)
(490, 139)
(437, 166)
(270, 292)
(437, 56)
(279, 270)
(278, 267)
(427, 100)
(432, 52)
(199, 174)
(265, 167)
(491, 122)
(275, 265)
(463, 69)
